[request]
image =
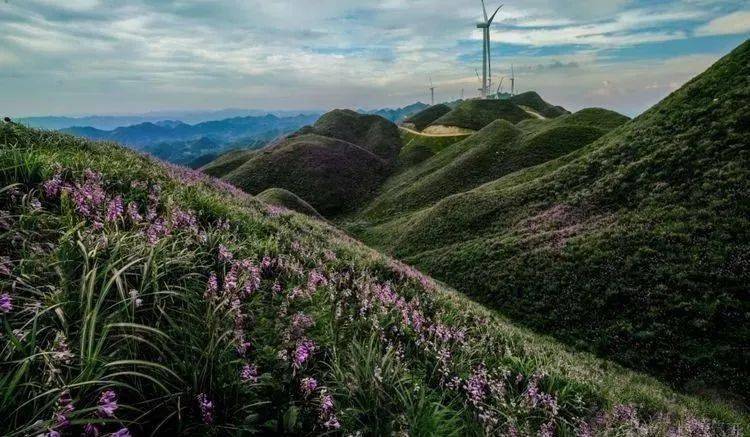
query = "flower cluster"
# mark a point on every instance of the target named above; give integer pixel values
(206, 407)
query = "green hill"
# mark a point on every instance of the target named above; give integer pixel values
(498, 149)
(227, 162)
(141, 295)
(370, 132)
(423, 118)
(418, 148)
(332, 175)
(476, 114)
(534, 101)
(288, 200)
(634, 246)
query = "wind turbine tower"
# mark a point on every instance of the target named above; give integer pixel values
(512, 81)
(432, 93)
(486, 61)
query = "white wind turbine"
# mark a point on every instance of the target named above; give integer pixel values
(486, 61)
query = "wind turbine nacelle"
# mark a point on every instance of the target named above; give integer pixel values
(482, 25)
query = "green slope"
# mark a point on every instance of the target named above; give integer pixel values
(205, 313)
(370, 132)
(423, 118)
(497, 150)
(332, 175)
(288, 200)
(635, 246)
(476, 114)
(227, 162)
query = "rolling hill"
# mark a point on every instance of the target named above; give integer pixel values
(634, 246)
(534, 101)
(498, 149)
(140, 297)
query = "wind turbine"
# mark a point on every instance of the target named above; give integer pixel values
(486, 61)
(512, 81)
(432, 93)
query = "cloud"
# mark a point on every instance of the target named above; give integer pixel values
(734, 23)
(114, 56)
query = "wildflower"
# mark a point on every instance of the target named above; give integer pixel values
(276, 288)
(332, 423)
(123, 432)
(300, 323)
(137, 301)
(5, 266)
(326, 405)
(224, 254)
(212, 287)
(52, 187)
(64, 407)
(60, 349)
(6, 303)
(114, 209)
(476, 385)
(303, 351)
(108, 403)
(133, 212)
(35, 204)
(206, 408)
(308, 385)
(547, 429)
(91, 430)
(249, 372)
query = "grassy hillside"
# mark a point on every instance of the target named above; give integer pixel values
(476, 114)
(227, 162)
(418, 148)
(635, 246)
(152, 298)
(534, 101)
(423, 118)
(332, 175)
(495, 151)
(287, 199)
(371, 132)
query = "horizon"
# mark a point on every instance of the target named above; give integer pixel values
(138, 58)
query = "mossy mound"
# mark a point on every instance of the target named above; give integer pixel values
(227, 162)
(371, 132)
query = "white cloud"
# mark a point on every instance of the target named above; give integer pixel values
(734, 23)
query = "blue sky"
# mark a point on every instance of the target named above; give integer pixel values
(78, 57)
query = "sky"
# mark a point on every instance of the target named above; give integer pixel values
(82, 57)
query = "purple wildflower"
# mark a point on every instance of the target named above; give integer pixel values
(133, 212)
(224, 254)
(303, 351)
(212, 287)
(91, 430)
(123, 432)
(35, 204)
(6, 303)
(137, 301)
(114, 209)
(64, 407)
(308, 385)
(60, 349)
(547, 429)
(332, 423)
(5, 266)
(249, 373)
(108, 403)
(206, 407)
(53, 186)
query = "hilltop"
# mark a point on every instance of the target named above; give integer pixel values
(425, 117)
(146, 296)
(476, 114)
(534, 101)
(633, 246)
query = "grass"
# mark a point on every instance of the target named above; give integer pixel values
(418, 148)
(205, 312)
(476, 114)
(287, 199)
(631, 247)
(227, 162)
(371, 132)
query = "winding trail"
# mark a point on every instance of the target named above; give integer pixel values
(412, 131)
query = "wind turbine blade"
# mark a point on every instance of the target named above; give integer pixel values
(485, 11)
(493, 15)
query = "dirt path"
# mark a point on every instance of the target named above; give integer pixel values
(533, 113)
(412, 131)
